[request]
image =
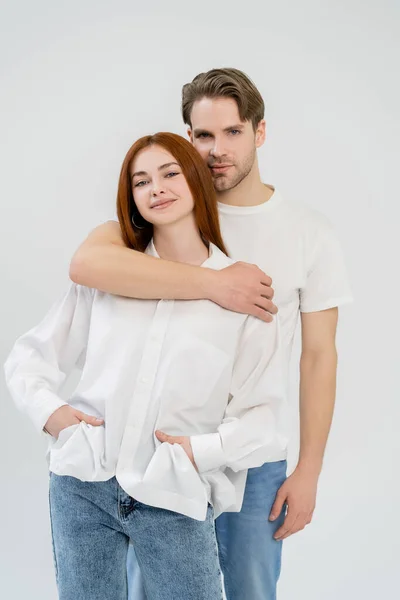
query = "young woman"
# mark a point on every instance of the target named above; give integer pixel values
(175, 401)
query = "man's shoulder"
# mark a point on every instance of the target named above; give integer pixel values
(306, 218)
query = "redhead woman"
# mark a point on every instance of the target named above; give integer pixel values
(176, 400)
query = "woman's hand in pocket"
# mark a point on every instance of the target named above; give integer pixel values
(182, 440)
(65, 416)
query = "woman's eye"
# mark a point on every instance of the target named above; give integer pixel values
(140, 183)
(172, 174)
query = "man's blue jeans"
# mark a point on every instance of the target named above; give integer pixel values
(92, 523)
(250, 557)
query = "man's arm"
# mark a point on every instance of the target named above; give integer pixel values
(105, 263)
(317, 399)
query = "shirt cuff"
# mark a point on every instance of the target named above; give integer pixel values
(49, 403)
(207, 451)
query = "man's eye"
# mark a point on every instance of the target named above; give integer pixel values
(234, 131)
(203, 135)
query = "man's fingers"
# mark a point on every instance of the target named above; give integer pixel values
(287, 526)
(264, 309)
(266, 304)
(266, 291)
(299, 525)
(286, 529)
(261, 314)
(278, 506)
(266, 280)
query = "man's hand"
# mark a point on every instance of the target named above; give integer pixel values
(65, 416)
(299, 494)
(244, 288)
(182, 440)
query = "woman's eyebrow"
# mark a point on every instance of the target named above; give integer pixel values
(140, 173)
(168, 165)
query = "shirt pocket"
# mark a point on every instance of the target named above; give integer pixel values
(195, 373)
(79, 452)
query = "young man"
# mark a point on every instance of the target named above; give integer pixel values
(297, 247)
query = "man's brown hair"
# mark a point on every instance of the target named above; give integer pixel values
(224, 83)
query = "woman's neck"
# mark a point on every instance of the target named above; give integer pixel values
(180, 242)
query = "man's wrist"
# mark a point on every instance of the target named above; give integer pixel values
(209, 284)
(310, 467)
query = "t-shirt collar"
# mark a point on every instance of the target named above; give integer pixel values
(248, 210)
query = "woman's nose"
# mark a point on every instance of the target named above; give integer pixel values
(158, 188)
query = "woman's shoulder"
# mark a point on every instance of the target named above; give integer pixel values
(218, 259)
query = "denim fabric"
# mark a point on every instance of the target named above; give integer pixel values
(250, 557)
(92, 523)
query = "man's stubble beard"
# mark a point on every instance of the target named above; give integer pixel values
(222, 183)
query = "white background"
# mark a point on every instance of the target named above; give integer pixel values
(79, 83)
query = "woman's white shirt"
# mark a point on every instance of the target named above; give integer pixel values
(186, 368)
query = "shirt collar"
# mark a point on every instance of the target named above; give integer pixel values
(216, 259)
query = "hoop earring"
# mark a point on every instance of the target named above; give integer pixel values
(134, 224)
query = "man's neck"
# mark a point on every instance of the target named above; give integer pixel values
(180, 242)
(251, 191)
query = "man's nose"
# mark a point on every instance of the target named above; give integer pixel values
(217, 149)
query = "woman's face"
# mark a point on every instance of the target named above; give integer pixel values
(160, 190)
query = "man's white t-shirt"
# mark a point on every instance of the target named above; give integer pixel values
(297, 247)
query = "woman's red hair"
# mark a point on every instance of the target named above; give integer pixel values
(199, 181)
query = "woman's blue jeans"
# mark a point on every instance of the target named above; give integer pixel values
(92, 523)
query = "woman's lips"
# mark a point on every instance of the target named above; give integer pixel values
(163, 204)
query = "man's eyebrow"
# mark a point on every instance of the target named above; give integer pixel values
(198, 131)
(238, 126)
(165, 166)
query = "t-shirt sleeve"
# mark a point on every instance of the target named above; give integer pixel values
(326, 285)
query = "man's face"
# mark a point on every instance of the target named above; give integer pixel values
(227, 144)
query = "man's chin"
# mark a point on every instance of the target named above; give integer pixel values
(222, 183)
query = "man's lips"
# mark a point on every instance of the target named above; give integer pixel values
(220, 168)
(162, 204)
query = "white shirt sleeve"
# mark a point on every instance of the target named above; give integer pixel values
(326, 284)
(248, 436)
(42, 358)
